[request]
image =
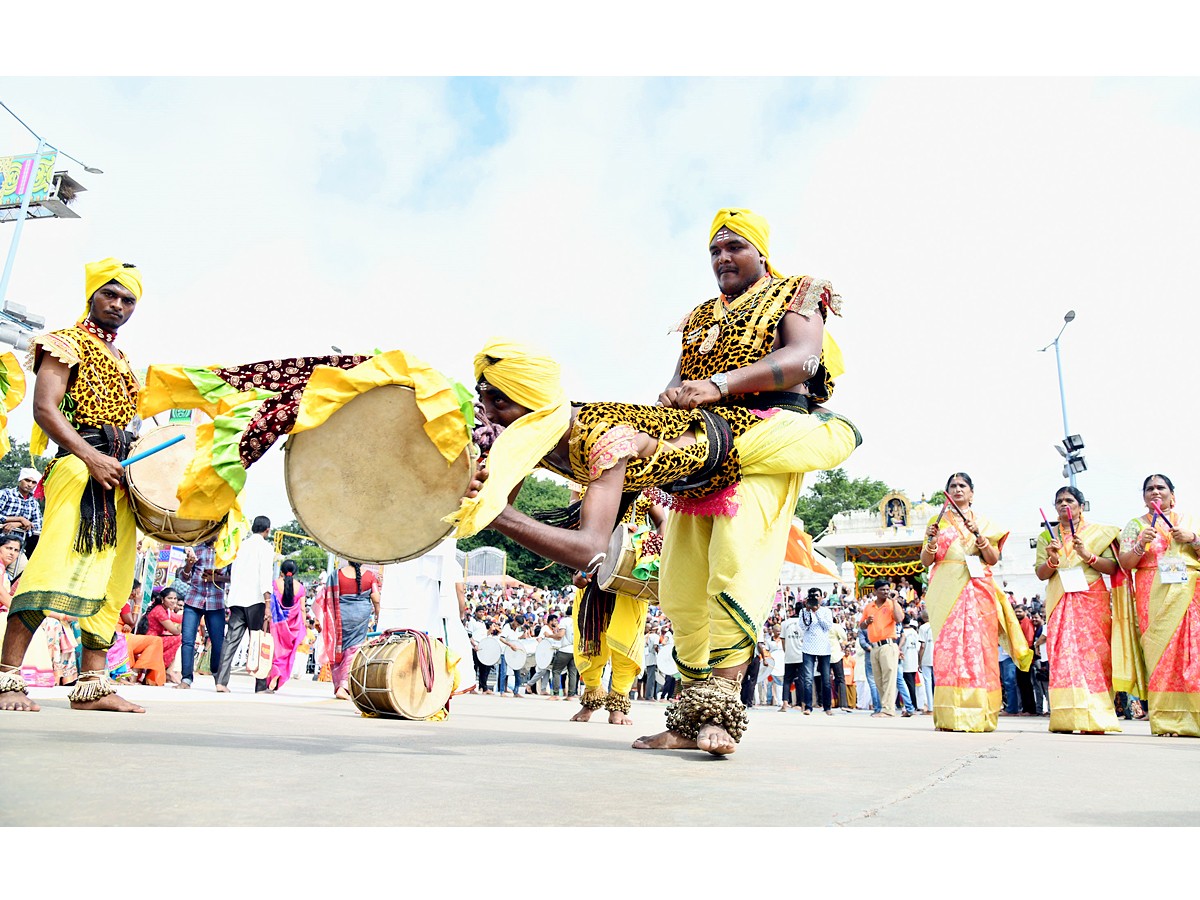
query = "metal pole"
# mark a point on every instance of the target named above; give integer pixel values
(16, 238)
(1062, 396)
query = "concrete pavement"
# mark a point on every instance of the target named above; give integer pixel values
(301, 758)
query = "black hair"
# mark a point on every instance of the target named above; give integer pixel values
(964, 476)
(1146, 483)
(12, 536)
(1069, 489)
(883, 582)
(357, 577)
(260, 525)
(288, 571)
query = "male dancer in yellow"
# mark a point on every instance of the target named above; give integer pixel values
(85, 399)
(731, 448)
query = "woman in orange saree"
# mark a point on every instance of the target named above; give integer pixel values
(1156, 653)
(968, 613)
(1079, 617)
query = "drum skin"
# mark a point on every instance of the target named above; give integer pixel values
(153, 481)
(490, 650)
(385, 679)
(544, 655)
(369, 485)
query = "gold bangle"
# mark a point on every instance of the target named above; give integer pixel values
(1050, 565)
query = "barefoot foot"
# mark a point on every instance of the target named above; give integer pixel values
(715, 740)
(341, 694)
(222, 689)
(616, 717)
(111, 703)
(583, 715)
(665, 740)
(17, 702)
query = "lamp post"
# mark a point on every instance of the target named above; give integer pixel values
(1067, 320)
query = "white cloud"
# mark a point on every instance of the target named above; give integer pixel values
(959, 219)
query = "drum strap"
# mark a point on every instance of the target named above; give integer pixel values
(97, 505)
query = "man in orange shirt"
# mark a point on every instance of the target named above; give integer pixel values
(880, 618)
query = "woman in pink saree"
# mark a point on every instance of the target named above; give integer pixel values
(1079, 617)
(968, 613)
(1156, 644)
(287, 624)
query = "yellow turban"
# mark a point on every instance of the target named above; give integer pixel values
(755, 229)
(531, 379)
(97, 274)
(749, 225)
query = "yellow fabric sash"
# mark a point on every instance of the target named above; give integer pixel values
(1097, 539)
(1169, 602)
(949, 577)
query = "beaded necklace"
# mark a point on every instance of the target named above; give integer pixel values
(91, 327)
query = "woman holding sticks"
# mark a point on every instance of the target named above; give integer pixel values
(1156, 652)
(1072, 558)
(968, 613)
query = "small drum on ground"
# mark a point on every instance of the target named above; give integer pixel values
(153, 481)
(402, 675)
(616, 571)
(490, 650)
(514, 658)
(369, 485)
(544, 654)
(666, 662)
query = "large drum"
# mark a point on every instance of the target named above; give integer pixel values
(369, 485)
(616, 571)
(490, 650)
(401, 675)
(544, 655)
(515, 658)
(666, 660)
(153, 481)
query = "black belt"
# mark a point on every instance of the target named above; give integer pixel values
(720, 442)
(108, 439)
(764, 400)
(881, 643)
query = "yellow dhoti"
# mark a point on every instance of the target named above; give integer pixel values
(91, 587)
(719, 573)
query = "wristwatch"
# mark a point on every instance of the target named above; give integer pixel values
(721, 380)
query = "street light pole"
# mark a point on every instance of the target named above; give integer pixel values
(1062, 396)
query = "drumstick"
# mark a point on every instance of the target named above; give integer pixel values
(1046, 522)
(1071, 522)
(1158, 512)
(163, 446)
(961, 516)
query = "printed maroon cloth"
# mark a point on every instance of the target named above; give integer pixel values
(286, 377)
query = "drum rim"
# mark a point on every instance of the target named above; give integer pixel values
(341, 552)
(204, 530)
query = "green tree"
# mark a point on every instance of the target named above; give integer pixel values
(536, 494)
(15, 460)
(310, 561)
(833, 492)
(292, 545)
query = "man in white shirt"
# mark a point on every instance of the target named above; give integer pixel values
(428, 594)
(250, 578)
(837, 637)
(909, 657)
(925, 638)
(564, 658)
(791, 636)
(815, 620)
(650, 664)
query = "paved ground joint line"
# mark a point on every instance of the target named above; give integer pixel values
(943, 774)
